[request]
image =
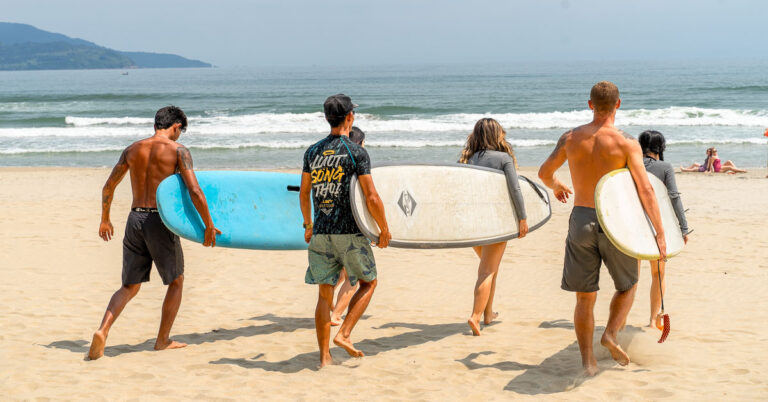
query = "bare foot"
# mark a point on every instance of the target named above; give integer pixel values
(97, 346)
(590, 369)
(336, 321)
(617, 352)
(487, 320)
(347, 345)
(474, 326)
(171, 344)
(326, 360)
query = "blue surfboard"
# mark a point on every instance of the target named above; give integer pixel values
(253, 210)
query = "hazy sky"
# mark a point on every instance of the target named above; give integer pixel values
(333, 32)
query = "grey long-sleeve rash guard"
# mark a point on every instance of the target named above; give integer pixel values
(666, 173)
(503, 161)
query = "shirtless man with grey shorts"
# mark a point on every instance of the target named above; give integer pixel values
(592, 150)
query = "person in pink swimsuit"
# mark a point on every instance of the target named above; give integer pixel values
(713, 164)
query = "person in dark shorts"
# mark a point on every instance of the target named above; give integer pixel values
(592, 150)
(335, 242)
(147, 240)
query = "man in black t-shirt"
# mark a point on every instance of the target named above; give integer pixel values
(334, 239)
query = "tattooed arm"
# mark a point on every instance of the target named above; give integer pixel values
(106, 231)
(550, 166)
(184, 166)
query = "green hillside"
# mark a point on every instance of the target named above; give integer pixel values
(59, 56)
(24, 47)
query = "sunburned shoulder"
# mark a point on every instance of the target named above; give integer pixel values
(624, 139)
(626, 135)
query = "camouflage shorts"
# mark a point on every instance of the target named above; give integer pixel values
(329, 254)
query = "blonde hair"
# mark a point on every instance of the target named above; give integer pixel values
(488, 134)
(604, 96)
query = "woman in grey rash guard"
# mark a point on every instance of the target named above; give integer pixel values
(487, 146)
(653, 145)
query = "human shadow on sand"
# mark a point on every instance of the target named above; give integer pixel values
(423, 333)
(278, 324)
(557, 373)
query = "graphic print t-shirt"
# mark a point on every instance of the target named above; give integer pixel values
(331, 163)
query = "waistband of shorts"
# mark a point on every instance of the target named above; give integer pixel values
(584, 209)
(140, 209)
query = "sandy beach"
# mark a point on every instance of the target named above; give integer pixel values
(248, 316)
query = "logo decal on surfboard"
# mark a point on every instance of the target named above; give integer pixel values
(407, 203)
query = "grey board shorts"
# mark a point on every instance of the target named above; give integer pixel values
(585, 248)
(330, 253)
(147, 240)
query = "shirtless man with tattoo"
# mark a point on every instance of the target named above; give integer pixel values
(147, 240)
(592, 150)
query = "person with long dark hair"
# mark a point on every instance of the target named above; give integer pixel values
(653, 145)
(487, 146)
(348, 290)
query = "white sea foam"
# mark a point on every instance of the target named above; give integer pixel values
(299, 130)
(113, 121)
(314, 122)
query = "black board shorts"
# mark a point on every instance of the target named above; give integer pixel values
(586, 248)
(147, 240)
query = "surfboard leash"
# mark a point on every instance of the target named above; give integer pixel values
(665, 317)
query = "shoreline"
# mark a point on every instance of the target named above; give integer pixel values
(530, 170)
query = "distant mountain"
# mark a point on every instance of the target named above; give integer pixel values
(24, 47)
(162, 60)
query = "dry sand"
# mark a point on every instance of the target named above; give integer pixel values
(248, 316)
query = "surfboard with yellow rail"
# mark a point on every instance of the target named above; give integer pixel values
(624, 221)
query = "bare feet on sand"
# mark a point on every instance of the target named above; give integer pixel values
(617, 352)
(590, 369)
(488, 320)
(347, 345)
(97, 345)
(170, 344)
(336, 321)
(474, 326)
(326, 360)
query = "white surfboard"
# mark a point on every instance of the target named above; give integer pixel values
(623, 219)
(443, 206)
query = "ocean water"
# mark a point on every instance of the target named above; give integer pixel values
(266, 117)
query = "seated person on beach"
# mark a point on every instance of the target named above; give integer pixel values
(335, 241)
(712, 164)
(147, 240)
(487, 146)
(593, 150)
(357, 136)
(653, 145)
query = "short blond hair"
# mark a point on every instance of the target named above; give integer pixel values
(604, 96)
